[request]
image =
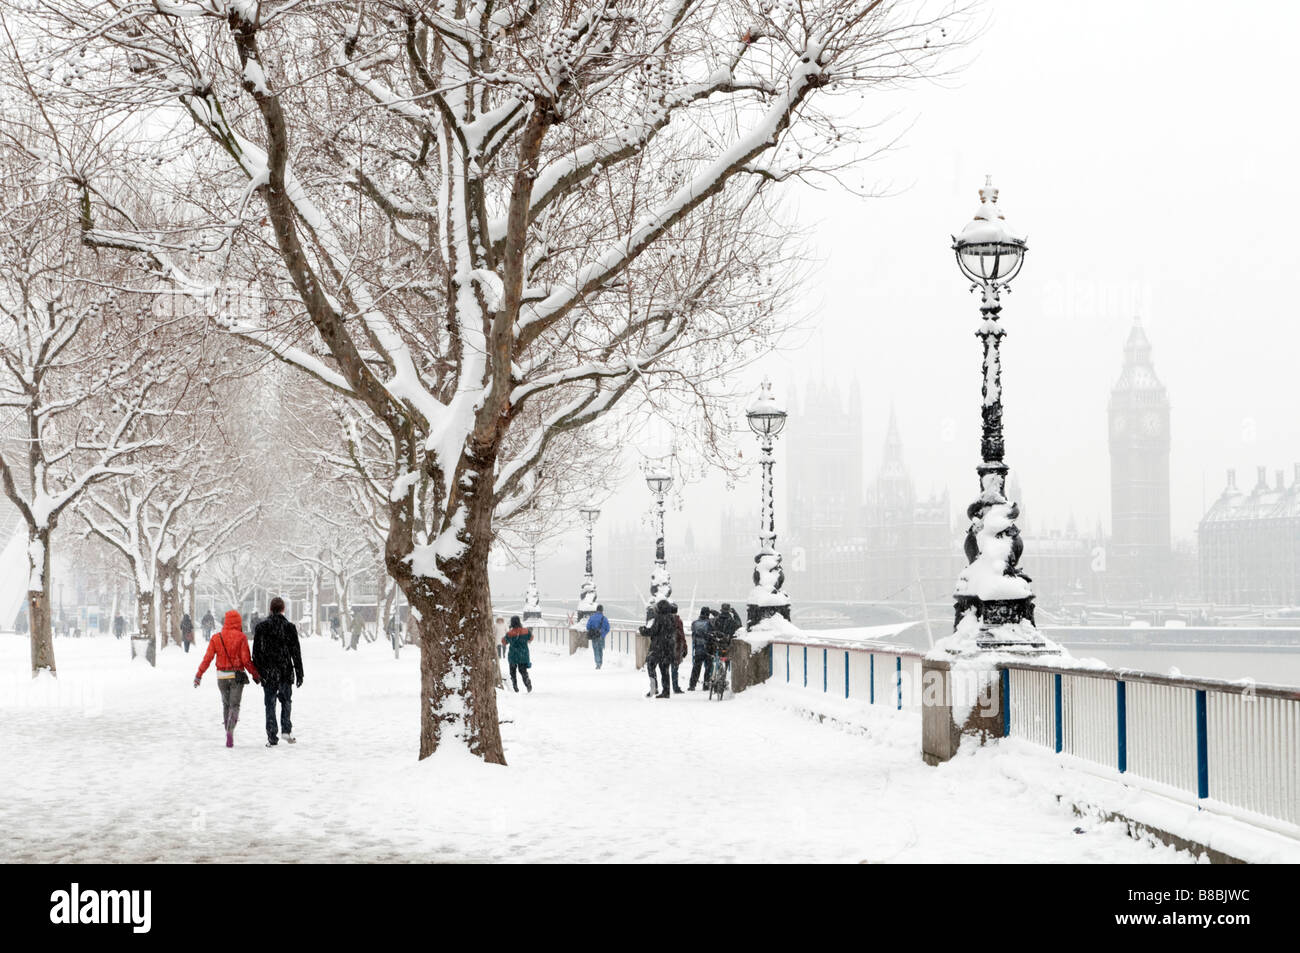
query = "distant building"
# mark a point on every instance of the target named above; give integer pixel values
(1140, 564)
(912, 552)
(1065, 565)
(1249, 543)
(823, 456)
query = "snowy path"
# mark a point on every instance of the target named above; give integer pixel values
(120, 763)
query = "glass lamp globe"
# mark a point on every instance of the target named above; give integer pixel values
(658, 479)
(765, 415)
(988, 251)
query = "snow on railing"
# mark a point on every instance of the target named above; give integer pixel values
(1233, 745)
(848, 663)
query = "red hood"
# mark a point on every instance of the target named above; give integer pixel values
(234, 622)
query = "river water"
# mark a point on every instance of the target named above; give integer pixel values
(1277, 667)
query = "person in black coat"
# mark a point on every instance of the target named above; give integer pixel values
(278, 657)
(663, 645)
(701, 647)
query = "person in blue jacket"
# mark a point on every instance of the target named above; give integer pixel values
(597, 629)
(517, 638)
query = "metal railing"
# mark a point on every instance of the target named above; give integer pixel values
(1236, 744)
(1227, 745)
(876, 674)
(552, 633)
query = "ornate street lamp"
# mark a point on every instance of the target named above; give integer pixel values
(767, 598)
(533, 597)
(587, 598)
(994, 602)
(660, 480)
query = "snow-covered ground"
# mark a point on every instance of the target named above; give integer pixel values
(117, 762)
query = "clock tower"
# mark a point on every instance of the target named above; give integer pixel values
(1140, 558)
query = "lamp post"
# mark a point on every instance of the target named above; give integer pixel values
(993, 600)
(532, 597)
(660, 481)
(587, 597)
(767, 419)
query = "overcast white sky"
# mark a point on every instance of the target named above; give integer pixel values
(1149, 152)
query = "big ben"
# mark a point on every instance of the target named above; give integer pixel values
(1140, 558)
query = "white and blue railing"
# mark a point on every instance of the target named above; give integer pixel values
(849, 668)
(1230, 746)
(1234, 744)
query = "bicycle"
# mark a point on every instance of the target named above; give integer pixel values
(719, 668)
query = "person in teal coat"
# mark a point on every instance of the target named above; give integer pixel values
(517, 638)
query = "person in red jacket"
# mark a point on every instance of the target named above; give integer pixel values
(230, 649)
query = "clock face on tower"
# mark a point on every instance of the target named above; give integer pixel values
(1119, 425)
(1151, 423)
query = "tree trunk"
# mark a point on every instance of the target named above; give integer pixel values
(457, 657)
(316, 603)
(169, 609)
(144, 616)
(38, 602)
(341, 584)
(384, 601)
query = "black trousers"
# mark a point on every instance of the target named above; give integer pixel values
(282, 690)
(516, 668)
(663, 669)
(701, 662)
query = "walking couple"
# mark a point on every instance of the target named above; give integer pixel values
(275, 664)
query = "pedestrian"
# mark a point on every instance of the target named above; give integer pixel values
(208, 624)
(234, 666)
(187, 631)
(517, 638)
(119, 626)
(278, 656)
(701, 646)
(663, 635)
(499, 630)
(254, 623)
(358, 629)
(334, 626)
(394, 635)
(679, 648)
(597, 629)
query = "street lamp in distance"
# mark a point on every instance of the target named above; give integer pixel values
(767, 598)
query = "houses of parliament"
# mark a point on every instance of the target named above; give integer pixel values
(853, 536)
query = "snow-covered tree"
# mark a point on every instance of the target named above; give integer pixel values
(483, 223)
(163, 523)
(79, 373)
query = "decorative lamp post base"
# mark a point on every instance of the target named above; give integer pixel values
(586, 603)
(532, 606)
(756, 614)
(998, 625)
